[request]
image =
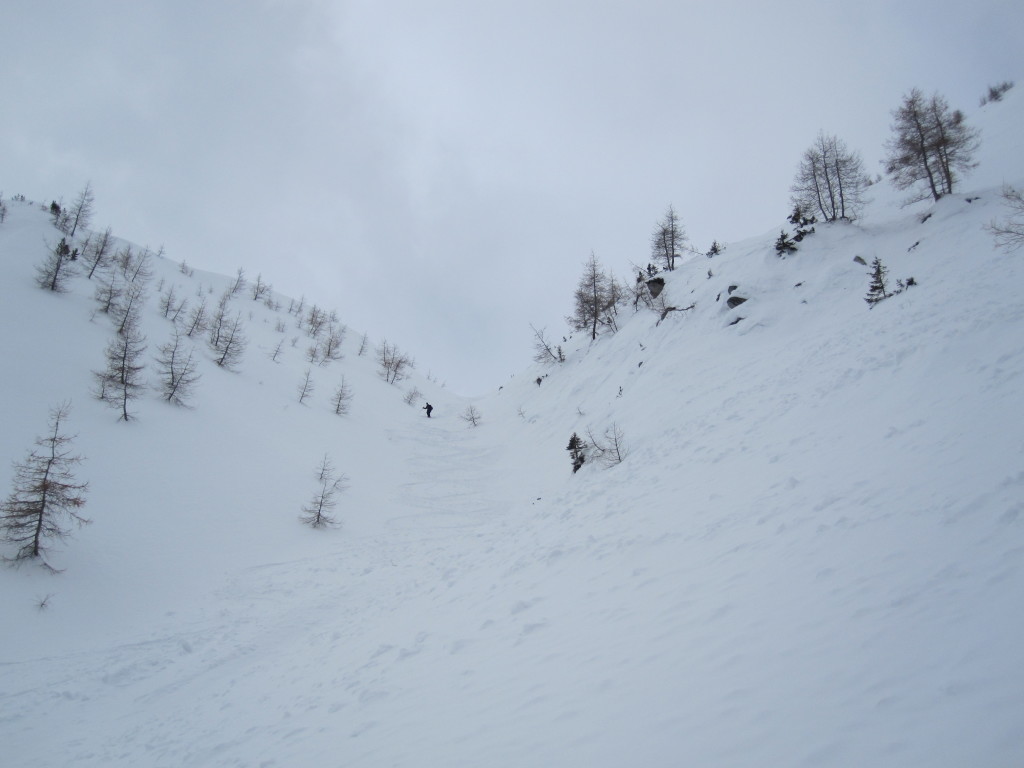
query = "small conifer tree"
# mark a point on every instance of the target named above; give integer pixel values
(577, 452)
(877, 291)
(784, 244)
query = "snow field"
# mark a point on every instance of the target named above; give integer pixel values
(812, 555)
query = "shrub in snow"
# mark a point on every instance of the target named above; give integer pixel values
(471, 415)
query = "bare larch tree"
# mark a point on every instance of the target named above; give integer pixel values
(45, 497)
(931, 146)
(830, 181)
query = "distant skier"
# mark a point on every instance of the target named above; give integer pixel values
(428, 408)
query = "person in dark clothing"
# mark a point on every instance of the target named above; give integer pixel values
(428, 408)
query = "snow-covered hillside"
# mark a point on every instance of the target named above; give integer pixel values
(813, 554)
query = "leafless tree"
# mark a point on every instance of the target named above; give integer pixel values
(45, 496)
(171, 306)
(135, 267)
(830, 180)
(219, 320)
(610, 449)
(277, 351)
(239, 284)
(306, 386)
(341, 400)
(544, 351)
(392, 364)
(1009, 233)
(364, 344)
(132, 301)
(330, 345)
(231, 344)
(178, 367)
(197, 318)
(597, 297)
(319, 512)
(58, 267)
(668, 241)
(315, 321)
(412, 396)
(471, 416)
(260, 289)
(97, 251)
(109, 291)
(121, 381)
(80, 212)
(930, 147)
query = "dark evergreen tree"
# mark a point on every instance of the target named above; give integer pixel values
(877, 290)
(784, 244)
(577, 452)
(46, 496)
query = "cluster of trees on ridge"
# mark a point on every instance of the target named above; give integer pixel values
(929, 151)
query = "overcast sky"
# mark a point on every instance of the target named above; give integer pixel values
(438, 171)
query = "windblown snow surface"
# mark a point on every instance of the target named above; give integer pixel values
(811, 556)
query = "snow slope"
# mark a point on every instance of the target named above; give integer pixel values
(812, 555)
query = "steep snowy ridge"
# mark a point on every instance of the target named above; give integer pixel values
(813, 554)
